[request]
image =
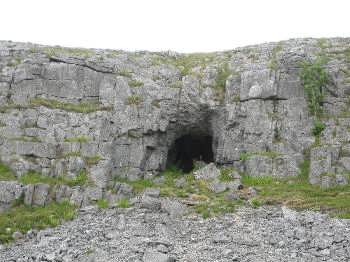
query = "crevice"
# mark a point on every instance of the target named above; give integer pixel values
(58, 60)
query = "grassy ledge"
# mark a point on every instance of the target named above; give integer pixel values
(6, 174)
(34, 178)
(78, 108)
(23, 218)
(298, 193)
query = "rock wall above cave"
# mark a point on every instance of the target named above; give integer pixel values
(118, 114)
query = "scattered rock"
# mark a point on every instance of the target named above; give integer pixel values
(151, 203)
(154, 256)
(173, 207)
(208, 172)
(17, 235)
(152, 192)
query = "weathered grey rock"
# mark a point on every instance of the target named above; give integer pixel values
(150, 203)
(208, 172)
(154, 256)
(173, 207)
(230, 196)
(152, 192)
(217, 186)
(123, 190)
(28, 194)
(327, 181)
(17, 235)
(10, 191)
(41, 195)
(263, 108)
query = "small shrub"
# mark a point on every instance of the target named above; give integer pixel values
(123, 203)
(134, 100)
(255, 202)
(102, 203)
(318, 128)
(135, 83)
(125, 73)
(314, 78)
(220, 82)
(225, 174)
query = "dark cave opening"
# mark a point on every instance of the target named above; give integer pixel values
(189, 148)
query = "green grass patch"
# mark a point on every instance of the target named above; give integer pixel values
(6, 174)
(298, 193)
(80, 139)
(63, 51)
(123, 203)
(102, 203)
(33, 177)
(318, 128)
(78, 108)
(134, 100)
(135, 83)
(23, 218)
(225, 174)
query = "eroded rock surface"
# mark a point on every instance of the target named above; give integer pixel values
(119, 114)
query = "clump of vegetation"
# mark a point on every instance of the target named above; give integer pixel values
(176, 84)
(23, 218)
(134, 100)
(78, 108)
(123, 203)
(93, 160)
(314, 79)
(298, 193)
(72, 154)
(220, 83)
(79, 139)
(225, 174)
(102, 203)
(5, 173)
(135, 83)
(273, 64)
(125, 73)
(61, 51)
(318, 128)
(10, 106)
(33, 177)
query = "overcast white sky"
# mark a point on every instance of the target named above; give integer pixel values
(179, 25)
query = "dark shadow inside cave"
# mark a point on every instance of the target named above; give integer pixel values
(188, 148)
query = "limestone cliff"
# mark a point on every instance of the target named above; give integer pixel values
(123, 114)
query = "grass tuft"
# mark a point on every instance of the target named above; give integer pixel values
(123, 203)
(78, 108)
(5, 173)
(102, 203)
(23, 218)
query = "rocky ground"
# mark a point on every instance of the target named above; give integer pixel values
(149, 233)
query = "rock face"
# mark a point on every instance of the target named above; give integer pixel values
(119, 114)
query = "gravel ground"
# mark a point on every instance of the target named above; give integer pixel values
(138, 234)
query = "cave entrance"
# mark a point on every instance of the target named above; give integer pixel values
(189, 148)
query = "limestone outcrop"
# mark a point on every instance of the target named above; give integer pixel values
(122, 114)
